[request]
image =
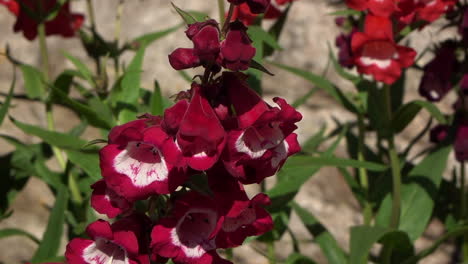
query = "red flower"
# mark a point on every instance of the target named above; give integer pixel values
(141, 160)
(436, 81)
(106, 201)
(461, 142)
(122, 242)
(242, 12)
(237, 50)
(263, 138)
(411, 11)
(200, 135)
(188, 234)
(64, 24)
(439, 133)
(256, 6)
(345, 55)
(376, 53)
(383, 8)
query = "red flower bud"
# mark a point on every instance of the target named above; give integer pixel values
(237, 50)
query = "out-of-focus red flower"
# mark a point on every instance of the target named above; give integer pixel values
(64, 24)
(411, 11)
(256, 6)
(384, 8)
(435, 83)
(376, 53)
(242, 12)
(345, 54)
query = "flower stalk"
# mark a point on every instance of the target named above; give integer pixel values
(363, 177)
(46, 72)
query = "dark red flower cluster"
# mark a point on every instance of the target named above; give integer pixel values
(219, 129)
(244, 13)
(374, 51)
(29, 13)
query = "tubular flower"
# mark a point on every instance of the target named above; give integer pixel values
(376, 53)
(256, 6)
(411, 11)
(436, 81)
(461, 142)
(119, 243)
(243, 217)
(106, 201)
(200, 135)
(382, 8)
(188, 235)
(65, 24)
(141, 160)
(263, 139)
(237, 50)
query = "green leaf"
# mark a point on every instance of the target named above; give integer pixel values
(6, 105)
(88, 161)
(322, 236)
(51, 137)
(8, 232)
(33, 82)
(303, 99)
(82, 68)
(346, 12)
(364, 237)
(51, 239)
(335, 162)
(186, 16)
(408, 112)
(130, 86)
(149, 38)
(340, 70)
(418, 194)
(311, 144)
(55, 10)
(321, 83)
(93, 118)
(276, 29)
(259, 34)
(459, 231)
(156, 102)
(255, 65)
(199, 183)
(296, 258)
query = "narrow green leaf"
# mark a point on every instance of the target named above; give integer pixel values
(6, 105)
(346, 12)
(185, 76)
(322, 236)
(33, 82)
(51, 137)
(82, 68)
(335, 162)
(364, 237)
(130, 86)
(340, 70)
(55, 10)
(149, 38)
(321, 83)
(276, 29)
(91, 116)
(303, 99)
(254, 64)
(408, 112)
(8, 232)
(257, 32)
(296, 258)
(88, 161)
(156, 102)
(187, 17)
(51, 239)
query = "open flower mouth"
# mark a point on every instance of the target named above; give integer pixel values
(256, 141)
(380, 53)
(247, 217)
(193, 231)
(142, 163)
(103, 251)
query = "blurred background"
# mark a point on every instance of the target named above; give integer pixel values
(309, 32)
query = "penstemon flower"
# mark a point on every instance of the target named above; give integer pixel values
(65, 23)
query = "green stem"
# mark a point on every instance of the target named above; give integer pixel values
(92, 17)
(367, 211)
(394, 163)
(463, 208)
(74, 189)
(221, 9)
(228, 19)
(46, 71)
(271, 252)
(117, 33)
